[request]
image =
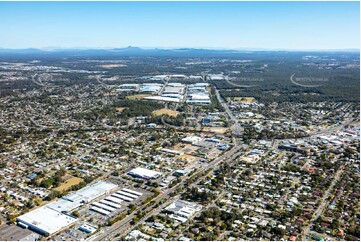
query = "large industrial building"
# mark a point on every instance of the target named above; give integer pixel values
(150, 87)
(198, 94)
(128, 87)
(199, 98)
(164, 99)
(53, 217)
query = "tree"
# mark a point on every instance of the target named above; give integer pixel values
(76, 214)
(53, 195)
(29, 204)
(279, 231)
(335, 224)
(12, 217)
(47, 182)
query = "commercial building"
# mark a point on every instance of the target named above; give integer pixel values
(182, 210)
(182, 172)
(45, 220)
(87, 228)
(191, 139)
(144, 173)
(172, 152)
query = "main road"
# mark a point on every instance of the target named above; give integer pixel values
(236, 128)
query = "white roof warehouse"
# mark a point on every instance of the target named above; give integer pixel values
(144, 173)
(45, 220)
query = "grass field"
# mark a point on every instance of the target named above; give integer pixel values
(137, 96)
(241, 99)
(163, 111)
(68, 183)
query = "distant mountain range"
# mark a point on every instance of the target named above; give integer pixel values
(136, 51)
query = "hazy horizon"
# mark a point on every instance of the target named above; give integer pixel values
(55, 48)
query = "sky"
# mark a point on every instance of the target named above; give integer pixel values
(229, 25)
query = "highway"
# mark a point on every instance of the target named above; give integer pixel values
(100, 82)
(301, 85)
(165, 81)
(236, 85)
(40, 83)
(236, 128)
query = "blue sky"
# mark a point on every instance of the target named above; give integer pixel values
(271, 25)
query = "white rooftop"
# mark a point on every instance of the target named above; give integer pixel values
(145, 173)
(91, 192)
(192, 139)
(166, 99)
(63, 205)
(46, 219)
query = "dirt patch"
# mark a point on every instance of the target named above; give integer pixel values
(67, 177)
(119, 109)
(188, 158)
(186, 148)
(164, 111)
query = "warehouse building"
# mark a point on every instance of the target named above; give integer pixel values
(128, 87)
(140, 172)
(150, 87)
(163, 99)
(198, 94)
(45, 221)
